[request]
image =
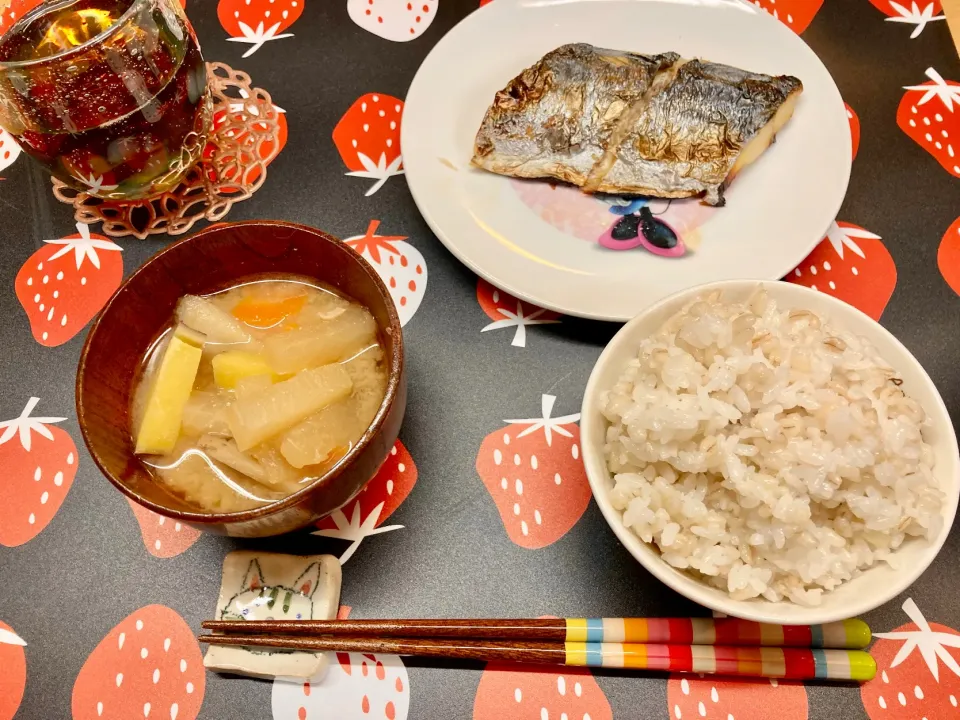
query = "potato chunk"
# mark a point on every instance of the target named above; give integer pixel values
(234, 365)
(169, 393)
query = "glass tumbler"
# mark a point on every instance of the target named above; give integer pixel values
(110, 96)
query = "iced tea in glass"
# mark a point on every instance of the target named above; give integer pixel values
(109, 95)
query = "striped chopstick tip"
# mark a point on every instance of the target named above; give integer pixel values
(855, 665)
(858, 633)
(853, 634)
(863, 667)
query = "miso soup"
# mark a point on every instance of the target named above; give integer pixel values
(255, 390)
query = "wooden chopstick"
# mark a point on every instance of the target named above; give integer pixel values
(772, 662)
(848, 634)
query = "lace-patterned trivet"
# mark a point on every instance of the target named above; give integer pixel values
(243, 140)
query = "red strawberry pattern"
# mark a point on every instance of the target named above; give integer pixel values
(948, 256)
(533, 472)
(255, 22)
(396, 20)
(539, 693)
(14, 11)
(162, 536)
(930, 115)
(910, 681)
(916, 12)
(851, 264)
(399, 264)
(368, 139)
(149, 665)
(39, 463)
(795, 14)
(506, 311)
(9, 150)
(375, 503)
(13, 679)
(66, 282)
(712, 698)
(854, 130)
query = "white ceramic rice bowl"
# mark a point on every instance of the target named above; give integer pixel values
(870, 589)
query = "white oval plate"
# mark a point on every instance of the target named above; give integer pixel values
(540, 242)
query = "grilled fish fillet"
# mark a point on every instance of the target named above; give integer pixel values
(631, 124)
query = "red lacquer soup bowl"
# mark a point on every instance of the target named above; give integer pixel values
(210, 260)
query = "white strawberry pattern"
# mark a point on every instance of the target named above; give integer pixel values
(354, 687)
(912, 15)
(256, 37)
(399, 264)
(380, 171)
(931, 645)
(95, 184)
(255, 22)
(8, 637)
(356, 528)
(516, 319)
(939, 88)
(396, 20)
(378, 500)
(83, 248)
(507, 312)
(9, 150)
(24, 425)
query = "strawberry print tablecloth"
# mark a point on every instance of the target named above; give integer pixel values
(100, 599)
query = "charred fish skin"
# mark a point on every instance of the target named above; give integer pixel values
(688, 138)
(555, 119)
(631, 124)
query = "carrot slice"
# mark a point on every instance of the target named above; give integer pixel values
(264, 314)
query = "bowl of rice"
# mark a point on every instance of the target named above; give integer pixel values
(770, 452)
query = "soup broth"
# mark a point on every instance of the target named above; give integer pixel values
(255, 390)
